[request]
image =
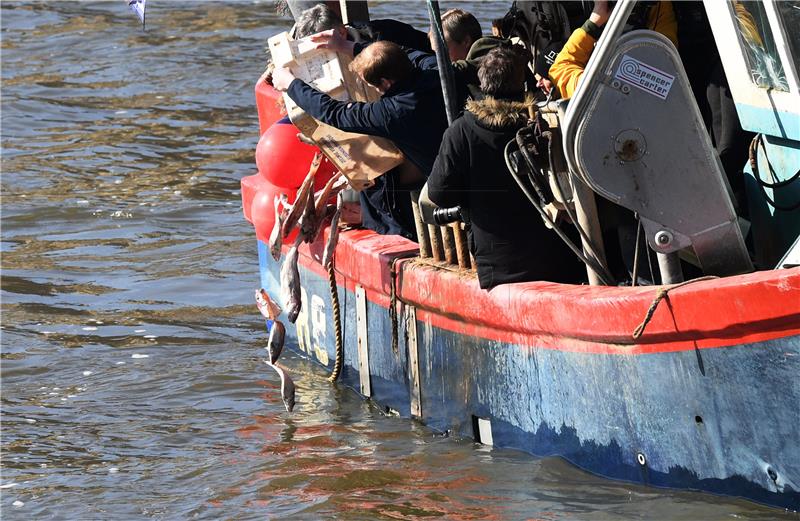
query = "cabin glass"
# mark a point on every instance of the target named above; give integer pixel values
(756, 37)
(789, 13)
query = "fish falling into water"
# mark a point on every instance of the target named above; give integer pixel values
(266, 306)
(287, 387)
(138, 7)
(277, 335)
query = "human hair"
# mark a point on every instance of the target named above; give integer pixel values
(316, 19)
(502, 73)
(382, 59)
(458, 25)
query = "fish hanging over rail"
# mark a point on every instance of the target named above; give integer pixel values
(333, 237)
(290, 282)
(323, 211)
(308, 222)
(299, 207)
(276, 237)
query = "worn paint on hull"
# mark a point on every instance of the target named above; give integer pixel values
(723, 419)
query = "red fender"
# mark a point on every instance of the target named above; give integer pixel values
(258, 204)
(283, 160)
(268, 104)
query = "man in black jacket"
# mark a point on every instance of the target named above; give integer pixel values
(410, 113)
(508, 238)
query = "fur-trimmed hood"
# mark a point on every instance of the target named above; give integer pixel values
(498, 113)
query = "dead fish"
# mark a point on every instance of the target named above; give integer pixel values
(331, 188)
(318, 211)
(290, 282)
(310, 221)
(268, 308)
(302, 194)
(287, 387)
(276, 236)
(277, 334)
(333, 237)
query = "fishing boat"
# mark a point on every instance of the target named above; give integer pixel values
(688, 384)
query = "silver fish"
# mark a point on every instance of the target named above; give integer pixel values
(290, 282)
(277, 334)
(302, 195)
(276, 236)
(287, 387)
(333, 237)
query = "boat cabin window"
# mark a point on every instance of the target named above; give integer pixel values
(789, 14)
(766, 69)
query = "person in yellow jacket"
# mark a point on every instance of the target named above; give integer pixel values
(570, 63)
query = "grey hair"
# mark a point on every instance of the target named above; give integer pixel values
(316, 19)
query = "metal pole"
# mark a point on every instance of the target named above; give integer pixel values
(423, 238)
(449, 244)
(586, 212)
(354, 11)
(443, 61)
(449, 241)
(437, 250)
(461, 246)
(670, 267)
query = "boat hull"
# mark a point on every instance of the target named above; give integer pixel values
(687, 409)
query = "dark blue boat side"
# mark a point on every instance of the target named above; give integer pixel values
(722, 419)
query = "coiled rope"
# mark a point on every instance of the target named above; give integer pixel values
(337, 324)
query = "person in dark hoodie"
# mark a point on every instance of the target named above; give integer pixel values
(410, 113)
(508, 238)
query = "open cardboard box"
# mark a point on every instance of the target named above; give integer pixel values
(361, 158)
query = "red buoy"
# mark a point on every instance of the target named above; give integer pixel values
(268, 103)
(284, 160)
(262, 210)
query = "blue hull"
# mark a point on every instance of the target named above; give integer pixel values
(723, 420)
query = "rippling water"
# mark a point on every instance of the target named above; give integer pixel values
(132, 380)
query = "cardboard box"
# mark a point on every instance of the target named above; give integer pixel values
(361, 158)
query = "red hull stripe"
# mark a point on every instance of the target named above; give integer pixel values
(592, 319)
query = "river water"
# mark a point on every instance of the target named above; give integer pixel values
(132, 377)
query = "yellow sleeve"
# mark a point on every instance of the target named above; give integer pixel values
(661, 18)
(570, 63)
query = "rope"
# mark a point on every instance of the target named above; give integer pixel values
(337, 324)
(661, 295)
(763, 185)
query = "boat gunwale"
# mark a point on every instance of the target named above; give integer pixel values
(748, 308)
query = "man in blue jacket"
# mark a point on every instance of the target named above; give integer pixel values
(410, 113)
